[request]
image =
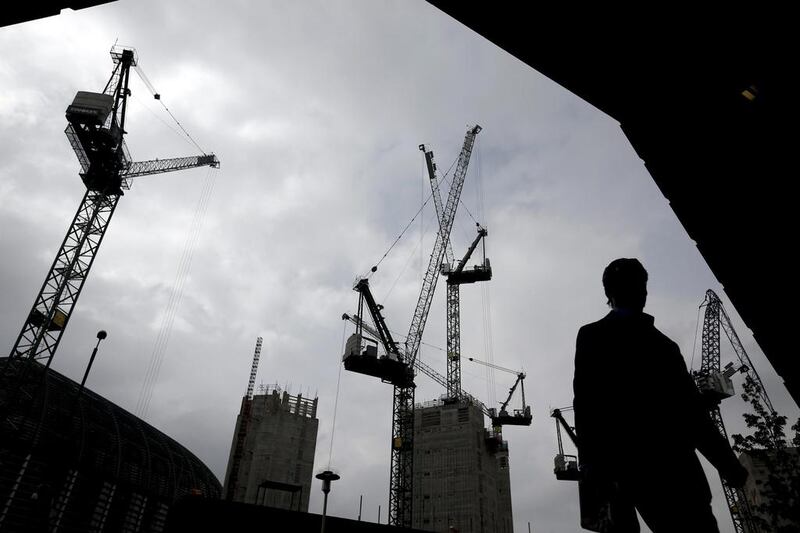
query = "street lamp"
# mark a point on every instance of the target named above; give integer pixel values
(100, 336)
(326, 476)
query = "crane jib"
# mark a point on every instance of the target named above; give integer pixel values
(443, 236)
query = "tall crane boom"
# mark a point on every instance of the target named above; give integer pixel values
(715, 385)
(433, 177)
(442, 238)
(402, 468)
(96, 132)
(455, 277)
(397, 367)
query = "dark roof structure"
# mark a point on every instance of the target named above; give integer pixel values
(703, 95)
(25, 11)
(81, 463)
(200, 515)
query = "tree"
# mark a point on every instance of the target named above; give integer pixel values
(779, 510)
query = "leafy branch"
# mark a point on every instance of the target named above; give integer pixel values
(778, 508)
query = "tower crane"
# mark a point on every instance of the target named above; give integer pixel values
(566, 466)
(399, 365)
(521, 417)
(715, 385)
(418, 366)
(456, 276)
(96, 129)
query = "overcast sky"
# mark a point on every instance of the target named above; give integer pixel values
(316, 111)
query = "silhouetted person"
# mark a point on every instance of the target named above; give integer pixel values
(639, 417)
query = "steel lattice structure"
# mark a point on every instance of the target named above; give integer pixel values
(402, 467)
(453, 383)
(714, 316)
(398, 367)
(53, 306)
(453, 340)
(455, 277)
(442, 238)
(96, 134)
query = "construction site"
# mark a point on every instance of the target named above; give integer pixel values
(442, 411)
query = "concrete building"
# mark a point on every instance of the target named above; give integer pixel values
(461, 471)
(275, 466)
(759, 464)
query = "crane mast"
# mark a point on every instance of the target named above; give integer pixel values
(455, 278)
(715, 385)
(96, 128)
(402, 468)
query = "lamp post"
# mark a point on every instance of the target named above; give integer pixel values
(326, 476)
(100, 336)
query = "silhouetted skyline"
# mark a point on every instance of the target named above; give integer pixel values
(316, 114)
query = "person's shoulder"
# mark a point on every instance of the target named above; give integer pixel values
(594, 328)
(666, 341)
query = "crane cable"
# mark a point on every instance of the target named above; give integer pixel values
(422, 228)
(696, 329)
(486, 299)
(336, 400)
(430, 195)
(176, 132)
(176, 295)
(157, 96)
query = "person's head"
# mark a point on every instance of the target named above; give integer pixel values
(625, 284)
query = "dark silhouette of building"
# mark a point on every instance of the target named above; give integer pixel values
(82, 463)
(200, 515)
(703, 95)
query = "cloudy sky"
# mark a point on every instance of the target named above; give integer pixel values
(316, 111)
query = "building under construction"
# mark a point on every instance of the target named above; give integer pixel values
(272, 455)
(461, 471)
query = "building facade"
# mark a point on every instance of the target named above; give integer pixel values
(461, 471)
(759, 464)
(276, 460)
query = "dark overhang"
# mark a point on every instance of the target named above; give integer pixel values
(18, 12)
(703, 95)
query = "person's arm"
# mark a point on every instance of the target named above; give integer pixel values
(585, 400)
(707, 438)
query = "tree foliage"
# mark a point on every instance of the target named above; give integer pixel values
(767, 442)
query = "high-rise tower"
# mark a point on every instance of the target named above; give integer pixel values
(461, 471)
(276, 461)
